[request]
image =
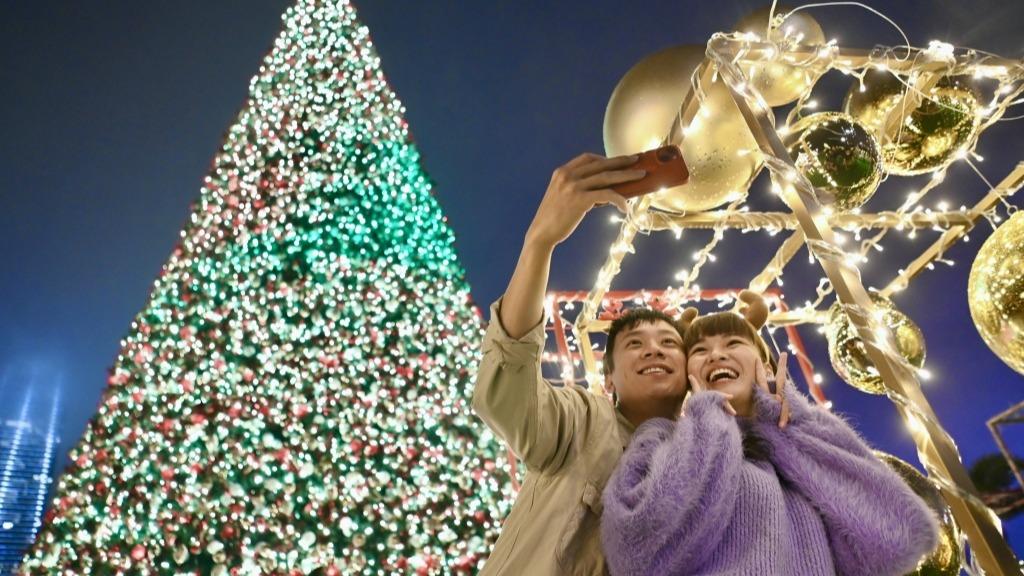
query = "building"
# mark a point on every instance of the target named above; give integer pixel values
(27, 450)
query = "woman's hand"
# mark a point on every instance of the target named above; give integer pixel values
(776, 381)
(575, 188)
(696, 386)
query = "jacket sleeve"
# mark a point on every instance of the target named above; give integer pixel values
(876, 524)
(540, 423)
(669, 500)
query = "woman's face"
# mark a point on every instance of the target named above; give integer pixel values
(726, 363)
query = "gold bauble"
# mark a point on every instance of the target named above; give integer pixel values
(719, 149)
(779, 83)
(838, 156)
(849, 355)
(929, 133)
(995, 292)
(946, 557)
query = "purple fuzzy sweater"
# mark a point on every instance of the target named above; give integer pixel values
(684, 500)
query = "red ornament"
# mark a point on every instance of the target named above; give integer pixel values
(465, 563)
(138, 552)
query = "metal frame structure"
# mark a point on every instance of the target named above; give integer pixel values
(814, 227)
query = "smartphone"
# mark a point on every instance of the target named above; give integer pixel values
(665, 168)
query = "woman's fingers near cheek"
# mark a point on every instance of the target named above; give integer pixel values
(728, 405)
(760, 374)
(784, 417)
(783, 371)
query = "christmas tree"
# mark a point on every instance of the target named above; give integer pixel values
(294, 398)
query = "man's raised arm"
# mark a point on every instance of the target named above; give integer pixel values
(575, 188)
(536, 420)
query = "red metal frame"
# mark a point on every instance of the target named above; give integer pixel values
(774, 296)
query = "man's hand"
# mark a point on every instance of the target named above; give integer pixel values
(575, 188)
(775, 385)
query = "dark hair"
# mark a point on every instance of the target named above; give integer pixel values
(630, 320)
(723, 323)
(729, 323)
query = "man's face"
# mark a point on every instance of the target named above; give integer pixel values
(650, 367)
(726, 363)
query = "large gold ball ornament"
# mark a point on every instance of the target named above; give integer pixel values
(780, 83)
(995, 292)
(945, 560)
(917, 133)
(838, 156)
(719, 149)
(849, 355)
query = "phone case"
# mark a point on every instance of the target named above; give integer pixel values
(665, 168)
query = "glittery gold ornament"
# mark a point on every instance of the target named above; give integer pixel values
(849, 355)
(718, 147)
(945, 560)
(838, 156)
(781, 83)
(918, 133)
(995, 292)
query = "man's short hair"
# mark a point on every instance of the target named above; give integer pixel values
(630, 320)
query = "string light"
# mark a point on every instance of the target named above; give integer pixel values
(727, 51)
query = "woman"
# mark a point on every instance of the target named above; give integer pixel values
(750, 481)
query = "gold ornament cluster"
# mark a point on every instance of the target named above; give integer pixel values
(849, 355)
(995, 292)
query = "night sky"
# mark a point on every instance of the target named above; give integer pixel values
(112, 112)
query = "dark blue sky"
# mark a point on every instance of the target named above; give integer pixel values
(112, 113)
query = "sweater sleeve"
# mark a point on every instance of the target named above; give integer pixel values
(876, 524)
(540, 423)
(665, 504)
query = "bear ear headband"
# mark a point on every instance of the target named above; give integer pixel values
(753, 308)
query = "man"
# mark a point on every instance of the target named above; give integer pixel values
(569, 439)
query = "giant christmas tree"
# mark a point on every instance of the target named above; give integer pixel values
(293, 399)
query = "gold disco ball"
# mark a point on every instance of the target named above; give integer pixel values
(838, 156)
(780, 83)
(995, 292)
(946, 558)
(719, 149)
(928, 133)
(849, 355)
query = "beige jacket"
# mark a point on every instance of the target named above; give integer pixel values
(570, 441)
